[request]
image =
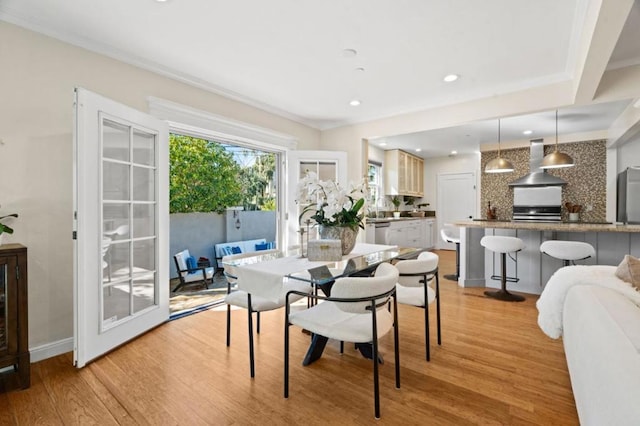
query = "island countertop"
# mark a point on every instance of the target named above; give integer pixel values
(549, 226)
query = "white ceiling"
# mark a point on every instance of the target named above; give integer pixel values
(287, 56)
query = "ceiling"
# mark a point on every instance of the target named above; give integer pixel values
(307, 60)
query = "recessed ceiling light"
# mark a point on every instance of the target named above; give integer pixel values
(161, 1)
(449, 78)
(359, 69)
(382, 144)
(418, 149)
(527, 132)
(349, 53)
(355, 102)
(454, 152)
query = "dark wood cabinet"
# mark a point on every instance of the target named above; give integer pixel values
(14, 331)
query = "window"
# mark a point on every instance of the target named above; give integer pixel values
(375, 183)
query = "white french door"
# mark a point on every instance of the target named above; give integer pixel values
(328, 165)
(121, 225)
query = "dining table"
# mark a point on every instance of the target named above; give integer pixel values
(361, 261)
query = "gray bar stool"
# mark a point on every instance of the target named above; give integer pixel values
(503, 245)
(451, 234)
(568, 251)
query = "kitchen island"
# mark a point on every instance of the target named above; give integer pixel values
(533, 269)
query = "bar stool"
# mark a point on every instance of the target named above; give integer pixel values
(503, 245)
(451, 234)
(567, 251)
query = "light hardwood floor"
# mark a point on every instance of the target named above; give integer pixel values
(495, 366)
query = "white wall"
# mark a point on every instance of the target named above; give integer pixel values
(37, 78)
(454, 164)
(629, 154)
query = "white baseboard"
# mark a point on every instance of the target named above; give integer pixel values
(50, 350)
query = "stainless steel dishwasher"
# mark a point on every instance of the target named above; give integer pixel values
(382, 232)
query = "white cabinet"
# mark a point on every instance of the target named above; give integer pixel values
(403, 174)
(430, 231)
(407, 233)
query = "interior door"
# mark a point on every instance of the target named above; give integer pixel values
(456, 201)
(121, 225)
(327, 165)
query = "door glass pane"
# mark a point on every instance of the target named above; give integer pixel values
(144, 148)
(143, 256)
(114, 217)
(116, 302)
(115, 181)
(3, 307)
(327, 171)
(143, 292)
(143, 184)
(115, 141)
(117, 261)
(143, 220)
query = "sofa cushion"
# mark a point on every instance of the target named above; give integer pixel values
(629, 270)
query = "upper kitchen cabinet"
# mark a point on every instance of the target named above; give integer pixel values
(404, 173)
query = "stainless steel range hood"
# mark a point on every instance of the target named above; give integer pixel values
(537, 176)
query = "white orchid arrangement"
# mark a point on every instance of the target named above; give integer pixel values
(332, 205)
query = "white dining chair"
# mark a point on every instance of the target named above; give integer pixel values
(258, 291)
(414, 289)
(355, 312)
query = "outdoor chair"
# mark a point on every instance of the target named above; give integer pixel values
(258, 291)
(413, 288)
(189, 272)
(355, 312)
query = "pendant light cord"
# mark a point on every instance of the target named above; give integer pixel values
(556, 130)
(498, 138)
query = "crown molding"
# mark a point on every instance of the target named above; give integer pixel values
(206, 124)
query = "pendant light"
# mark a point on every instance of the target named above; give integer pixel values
(556, 159)
(498, 165)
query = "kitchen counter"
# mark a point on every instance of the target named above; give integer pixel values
(533, 269)
(549, 226)
(393, 219)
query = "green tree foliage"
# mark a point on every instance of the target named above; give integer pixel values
(203, 178)
(257, 183)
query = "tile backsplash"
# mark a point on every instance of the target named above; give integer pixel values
(586, 181)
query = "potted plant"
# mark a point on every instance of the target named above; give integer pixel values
(338, 213)
(396, 204)
(6, 228)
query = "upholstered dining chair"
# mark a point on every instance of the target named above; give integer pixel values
(231, 275)
(258, 291)
(413, 289)
(355, 312)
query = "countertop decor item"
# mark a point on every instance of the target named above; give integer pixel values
(333, 207)
(491, 212)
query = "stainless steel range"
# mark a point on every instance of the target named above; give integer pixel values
(537, 196)
(538, 203)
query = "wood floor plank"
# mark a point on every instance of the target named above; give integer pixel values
(494, 367)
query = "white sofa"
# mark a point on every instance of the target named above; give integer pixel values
(601, 335)
(246, 246)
